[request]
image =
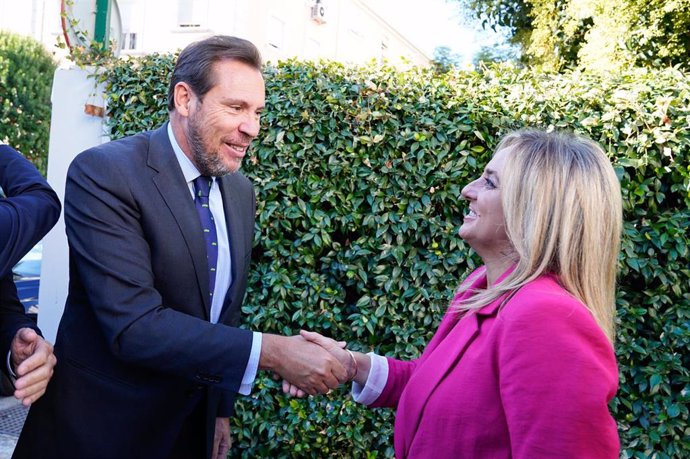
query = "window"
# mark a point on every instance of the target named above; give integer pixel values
(133, 19)
(192, 14)
(129, 40)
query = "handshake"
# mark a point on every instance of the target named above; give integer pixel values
(310, 363)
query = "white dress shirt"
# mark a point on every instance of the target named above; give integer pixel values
(224, 264)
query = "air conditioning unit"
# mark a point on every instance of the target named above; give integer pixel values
(318, 12)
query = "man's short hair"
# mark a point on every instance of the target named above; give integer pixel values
(195, 64)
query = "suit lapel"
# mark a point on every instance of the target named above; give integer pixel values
(173, 188)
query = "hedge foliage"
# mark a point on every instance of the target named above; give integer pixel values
(358, 173)
(26, 79)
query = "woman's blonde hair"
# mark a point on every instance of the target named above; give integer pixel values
(563, 215)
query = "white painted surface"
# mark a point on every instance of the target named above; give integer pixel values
(352, 32)
(71, 131)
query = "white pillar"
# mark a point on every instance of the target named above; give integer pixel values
(71, 131)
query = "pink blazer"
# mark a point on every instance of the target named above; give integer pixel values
(529, 380)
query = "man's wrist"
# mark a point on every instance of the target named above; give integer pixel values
(270, 345)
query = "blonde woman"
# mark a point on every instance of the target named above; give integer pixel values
(522, 364)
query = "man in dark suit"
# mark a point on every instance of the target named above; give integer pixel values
(28, 210)
(160, 228)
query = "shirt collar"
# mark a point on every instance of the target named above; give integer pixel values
(189, 170)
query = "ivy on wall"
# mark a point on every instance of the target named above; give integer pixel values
(358, 173)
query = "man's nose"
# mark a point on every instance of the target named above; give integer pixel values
(250, 126)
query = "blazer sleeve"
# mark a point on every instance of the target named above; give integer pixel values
(399, 372)
(557, 374)
(111, 254)
(28, 211)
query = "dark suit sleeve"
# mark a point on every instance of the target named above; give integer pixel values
(28, 211)
(226, 406)
(12, 317)
(111, 246)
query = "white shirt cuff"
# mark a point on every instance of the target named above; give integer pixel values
(376, 381)
(252, 365)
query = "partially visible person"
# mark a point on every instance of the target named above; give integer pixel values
(522, 364)
(29, 208)
(160, 227)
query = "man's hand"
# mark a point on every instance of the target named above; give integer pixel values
(332, 346)
(221, 440)
(33, 361)
(303, 364)
(336, 348)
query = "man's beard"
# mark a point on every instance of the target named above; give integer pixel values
(209, 163)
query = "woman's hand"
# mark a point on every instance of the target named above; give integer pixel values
(357, 364)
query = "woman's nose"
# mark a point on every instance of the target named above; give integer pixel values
(469, 191)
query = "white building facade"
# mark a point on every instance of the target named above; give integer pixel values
(343, 30)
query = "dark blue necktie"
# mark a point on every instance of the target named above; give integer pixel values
(202, 187)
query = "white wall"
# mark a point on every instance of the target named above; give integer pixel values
(71, 131)
(39, 19)
(281, 29)
(353, 32)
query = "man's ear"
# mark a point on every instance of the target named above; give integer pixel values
(183, 98)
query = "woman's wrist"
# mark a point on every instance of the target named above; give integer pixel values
(363, 362)
(352, 369)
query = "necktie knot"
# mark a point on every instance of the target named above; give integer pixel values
(202, 185)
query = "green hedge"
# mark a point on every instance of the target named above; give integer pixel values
(26, 78)
(358, 173)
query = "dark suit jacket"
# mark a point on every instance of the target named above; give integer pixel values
(136, 351)
(28, 211)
